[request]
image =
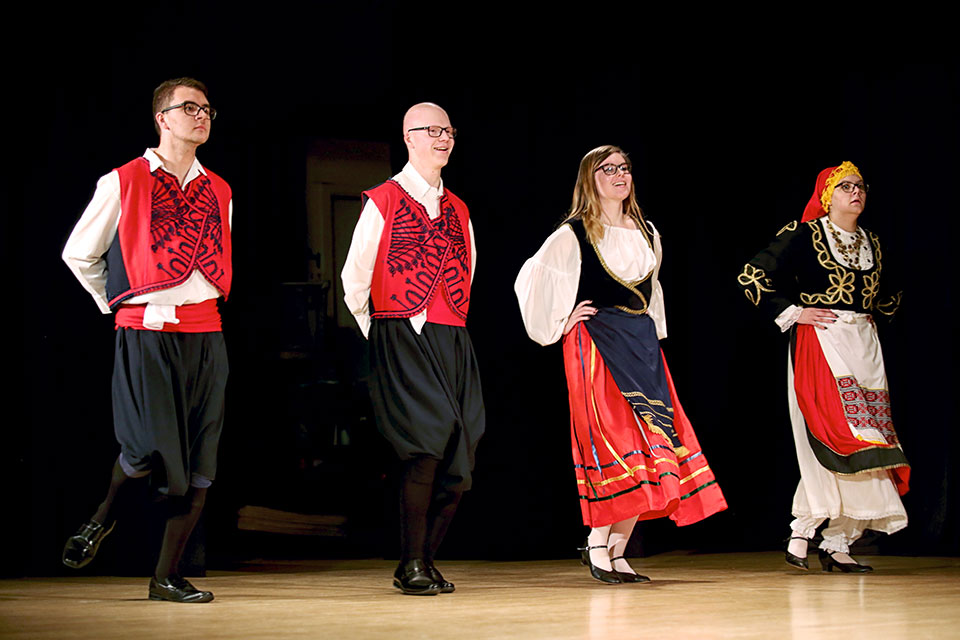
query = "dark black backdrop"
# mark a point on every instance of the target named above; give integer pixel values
(726, 148)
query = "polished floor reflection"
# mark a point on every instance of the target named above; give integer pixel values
(738, 595)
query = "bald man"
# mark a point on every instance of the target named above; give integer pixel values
(407, 282)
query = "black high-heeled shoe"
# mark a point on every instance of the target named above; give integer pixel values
(609, 577)
(628, 577)
(796, 561)
(828, 562)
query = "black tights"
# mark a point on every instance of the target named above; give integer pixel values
(183, 517)
(184, 512)
(121, 487)
(426, 509)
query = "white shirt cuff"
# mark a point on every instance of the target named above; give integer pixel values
(788, 317)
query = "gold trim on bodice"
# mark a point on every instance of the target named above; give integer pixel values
(632, 286)
(790, 226)
(842, 280)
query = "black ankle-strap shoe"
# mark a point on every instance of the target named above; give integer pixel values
(828, 562)
(792, 560)
(628, 577)
(608, 577)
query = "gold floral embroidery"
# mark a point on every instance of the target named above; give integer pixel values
(840, 290)
(790, 226)
(871, 284)
(841, 280)
(756, 277)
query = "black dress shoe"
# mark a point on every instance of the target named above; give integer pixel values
(82, 546)
(796, 561)
(176, 589)
(628, 577)
(609, 577)
(828, 562)
(414, 579)
(445, 585)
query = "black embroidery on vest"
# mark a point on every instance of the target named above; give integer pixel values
(422, 246)
(457, 272)
(185, 227)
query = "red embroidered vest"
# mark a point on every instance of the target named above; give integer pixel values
(166, 233)
(421, 263)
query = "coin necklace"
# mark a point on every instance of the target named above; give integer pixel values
(851, 251)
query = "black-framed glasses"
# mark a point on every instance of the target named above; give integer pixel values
(611, 169)
(192, 109)
(435, 131)
(848, 187)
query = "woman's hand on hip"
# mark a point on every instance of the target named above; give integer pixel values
(820, 318)
(582, 311)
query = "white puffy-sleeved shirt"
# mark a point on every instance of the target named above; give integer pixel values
(87, 246)
(547, 285)
(357, 273)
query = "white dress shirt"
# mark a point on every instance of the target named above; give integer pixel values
(357, 274)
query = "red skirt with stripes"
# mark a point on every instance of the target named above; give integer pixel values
(628, 460)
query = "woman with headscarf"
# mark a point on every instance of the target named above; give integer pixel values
(634, 451)
(820, 279)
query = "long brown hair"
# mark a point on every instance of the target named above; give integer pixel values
(586, 200)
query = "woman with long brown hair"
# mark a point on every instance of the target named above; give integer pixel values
(634, 451)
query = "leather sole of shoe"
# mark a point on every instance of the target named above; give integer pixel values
(427, 591)
(855, 568)
(202, 597)
(827, 563)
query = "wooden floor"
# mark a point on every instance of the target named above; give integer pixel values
(692, 596)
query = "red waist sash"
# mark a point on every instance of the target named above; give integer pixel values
(202, 317)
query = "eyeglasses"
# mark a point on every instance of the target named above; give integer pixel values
(192, 109)
(611, 169)
(848, 187)
(434, 131)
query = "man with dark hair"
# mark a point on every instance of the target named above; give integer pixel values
(407, 281)
(153, 247)
(163, 94)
